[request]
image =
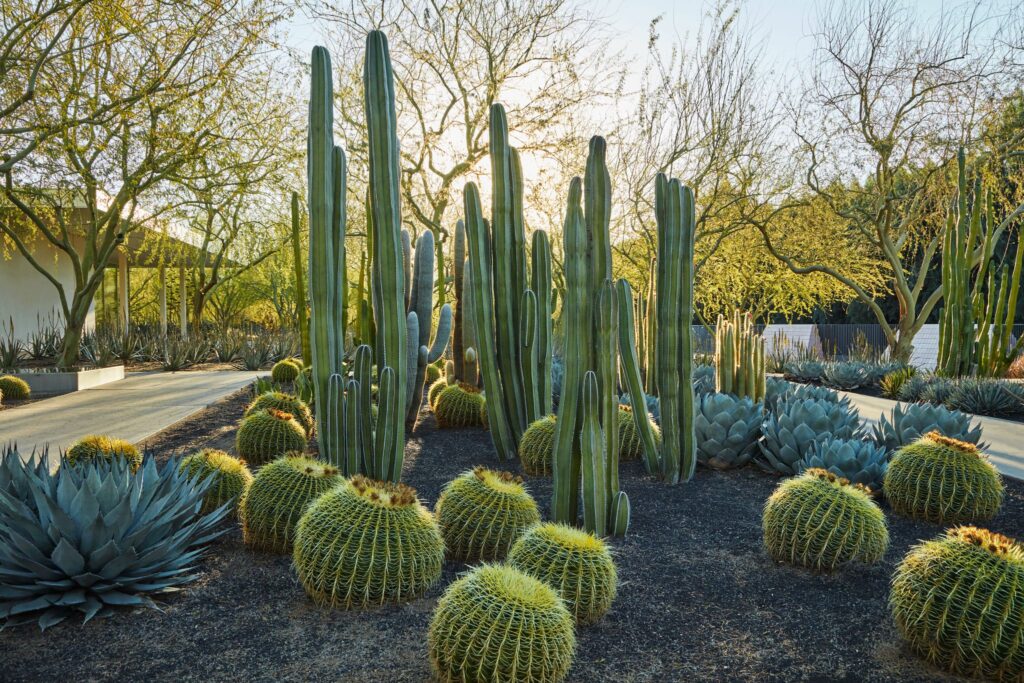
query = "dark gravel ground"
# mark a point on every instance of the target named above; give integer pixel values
(699, 599)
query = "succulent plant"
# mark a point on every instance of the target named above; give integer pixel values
(285, 371)
(95, 447)
(859, 461)
(14, 388)
(908, 423)
(943, 480)
(803, 370)
(497, 623)
(230, 477)
(727, 430)
(433, 374)
(994, 397)
(267, 434)
(631, 446)
(280, 493)
(892, 382)
(846, 375)
(91, 538)
(535, 447)
(367, 543)
(910, 390)
(459, 406)
(776, 389)
(286, 403)
(704, 378)
(936, 390)
(790, 433)
(802, 391)
(820, 521)
(575, 563)
(958, 600)
(481, 513)
(436, 387)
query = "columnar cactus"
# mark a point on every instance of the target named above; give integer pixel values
(482, 512)
(739, 357)
(268, 434)
(301, 310)
(94, 446)
(958, 600)
(286, 403)
(367, 543)
(498, 623)
(230, 477)
(631, 439)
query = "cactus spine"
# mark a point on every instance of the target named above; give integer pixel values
(739, 358)
(300, 281)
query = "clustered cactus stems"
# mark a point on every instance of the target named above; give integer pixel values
(301, 312)
(943, 480)
(642, 437)
(286, 403)
(498, 623)
(907, 423)
(482, 513)
(70, 542)
(459, 405)
(958, 600)
(98, 447)
(631, 439)
(790, 433)
(511, 314)
(575, 563)
(267, 434)
(536, 446)
(976, 321)
(739, 357)
(367, 543)
(727, 429)
(14, 388)
(861, 462)
(285, 371)
(821, 521)
(230, 476)
(280, 493)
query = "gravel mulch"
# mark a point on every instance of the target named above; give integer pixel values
(699, 599)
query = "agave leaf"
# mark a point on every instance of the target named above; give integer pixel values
(51, 617)
(120, 517)
(114, 597)
(119, 564)
(67, 559)
(42, 602)
(87, 579)
(75, 597)
(101, 556)
(91, 607)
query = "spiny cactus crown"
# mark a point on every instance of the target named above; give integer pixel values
(1001, 546)
(517, 587)
(280, 414)
(571, 537)
(469, 388)
(832, 478)
(940, 439)
(506, 482)
(384, 493)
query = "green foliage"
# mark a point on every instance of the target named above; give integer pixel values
(846, 375)
(861, 462)
(285, 371)
(438, 385)
(575, 563)
(739, 357)
(631, 445)
(286, 403)
(893, 382)
(803, 370)
(791, 432)
(481, 513)
(820, 521)
(727, 430)
(96, 447)
(280, 493)
(14, 388)
(908, 423)
(958, 600)
(535, 447)
(267, 434)
(497, 623)
(91, 538)
(986, 396)
(366, 543)
(230, 478)
(459, 406)
(943, 480)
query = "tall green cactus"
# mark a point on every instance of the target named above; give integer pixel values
(739, 358)
(301, 311)
(631, 373)
(674, 211)
(976, 321)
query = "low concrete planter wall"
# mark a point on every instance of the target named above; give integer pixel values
(54, 383)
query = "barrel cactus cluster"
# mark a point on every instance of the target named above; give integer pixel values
(99, 447)
(268, 434)
(230, 478)
(286, 403)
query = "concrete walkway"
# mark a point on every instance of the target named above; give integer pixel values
(1005, 438)
(132, 409)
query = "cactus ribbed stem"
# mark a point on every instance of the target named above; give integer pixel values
(631, 373)
(301, 311)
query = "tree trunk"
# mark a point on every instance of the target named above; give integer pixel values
(72, 343)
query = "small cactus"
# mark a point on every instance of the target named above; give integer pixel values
(958, 600)
(285, 371)
(821, 521)
(943, 480)
(535, 447)
(433, 373)
(286, 403)
(231, 477)
(94, 446)
(267, 434)
(631, 447)
(459, 406)
(367, 543)
(575, 563)
(278, 496)
(436, 387)
(498, 623)
(14, 388)
(482, 512)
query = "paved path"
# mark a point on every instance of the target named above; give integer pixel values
(133, 409)
(1005, 438)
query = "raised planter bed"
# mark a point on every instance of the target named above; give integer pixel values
(52, 383)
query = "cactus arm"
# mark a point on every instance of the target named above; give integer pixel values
(528, 336)
(688, 437)
(406, 269)
(461, 310)
(607, 370)
(541, 285)
(442, 335)
(669, 295)
(631, 372)
(300, 282)
(412, 350)
(353, 442)
(592, 454)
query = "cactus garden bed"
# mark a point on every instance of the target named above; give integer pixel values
(699, 598)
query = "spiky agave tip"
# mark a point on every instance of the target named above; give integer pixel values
(990, 541)
(956, 444)
(384, 493)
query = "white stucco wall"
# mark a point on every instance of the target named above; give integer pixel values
(26, 296)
